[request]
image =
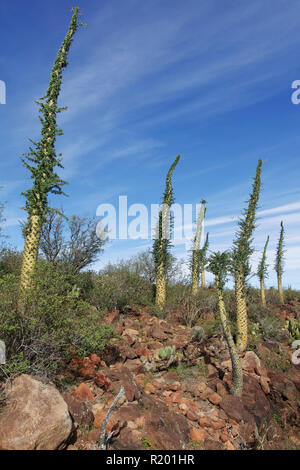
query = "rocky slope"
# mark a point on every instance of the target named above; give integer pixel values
(177, 392)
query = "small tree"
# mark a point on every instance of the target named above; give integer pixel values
(241, 253)
(196, 250)
(81, 249)
(162, 243)
(262, 273)
(219, 265)
(279, 262)
(203, 260)
(42, 160)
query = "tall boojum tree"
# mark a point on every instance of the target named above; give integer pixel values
(262, 273)
(241, 253)
(279, 262)
(218, 265)
(42, 160)
(162, 243)
(195, 261)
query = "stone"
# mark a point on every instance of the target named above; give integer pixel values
(35, 416)
(198, 435)
(83, 393)
(215, 398)
(250, 361)
(80, 411)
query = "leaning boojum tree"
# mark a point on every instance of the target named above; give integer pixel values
(162, 242)
(42, 160)
(241, 253)
(218, 265)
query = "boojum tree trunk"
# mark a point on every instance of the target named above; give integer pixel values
(196, 251)
(263, 293)
(202, 276)
(242, 316)
(41, 161)
(237, 372)
(280, 290)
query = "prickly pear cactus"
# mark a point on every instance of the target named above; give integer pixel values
(293, 327)
(162, 359)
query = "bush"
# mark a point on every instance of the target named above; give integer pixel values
(55, 325)
(118, 287)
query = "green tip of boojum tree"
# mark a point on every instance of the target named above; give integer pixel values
(280, 251)
(42, 158)
(243, 249)
(161, 245)
(262, 266)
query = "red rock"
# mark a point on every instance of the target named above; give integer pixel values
(191, 415)
(103, 382)
(83, 393)
(250, 361)
(215, 398)
(265, 385)
(113, 316)
(202, 387)
(95, 359)
(33, 416)
(229, 446)
(198, 435)
(224, 437)
(87, 373)
(149, 388)
(80, 411)
(210, 444)
(93, 435)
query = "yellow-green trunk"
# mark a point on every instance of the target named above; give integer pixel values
(30, 254)
(241, 312)
(195, 275)
(237, 372)
(202, 277)
(262, 293)
(161, 288)
(280, 290)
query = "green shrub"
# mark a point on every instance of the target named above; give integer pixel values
(55, 324)
(118, 287)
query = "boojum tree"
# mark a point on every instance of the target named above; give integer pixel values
(262, 273)
(218, 265)
(41, 161)
(162, 242)
(240, 257)
(203, 260)
(196, 250)
(279, 262)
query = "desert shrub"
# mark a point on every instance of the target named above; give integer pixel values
(265, 323)
(191, 308)
(10, 261)
(272, 297)
(117, 286)
(55, 324)
(291, 294)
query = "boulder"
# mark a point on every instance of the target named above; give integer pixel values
(35, 416)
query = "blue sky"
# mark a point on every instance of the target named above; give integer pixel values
(147, 80)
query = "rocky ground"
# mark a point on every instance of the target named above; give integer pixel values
(175, 397)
